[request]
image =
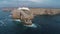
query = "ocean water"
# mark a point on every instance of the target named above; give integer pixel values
(9, 26)
(46, 24)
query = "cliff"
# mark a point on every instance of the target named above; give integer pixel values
(38, 11)
(42, 11)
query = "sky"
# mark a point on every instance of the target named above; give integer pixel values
(30, 3)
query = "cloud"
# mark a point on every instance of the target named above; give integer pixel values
(36, 0)
(31, 3)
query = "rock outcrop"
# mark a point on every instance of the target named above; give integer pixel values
(42, 11)
(38, 11)
(23, 14)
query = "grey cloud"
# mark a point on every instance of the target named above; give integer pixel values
(30, 3)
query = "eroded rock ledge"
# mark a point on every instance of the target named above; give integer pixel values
(39, 11)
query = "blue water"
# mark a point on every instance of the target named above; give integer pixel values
(45, 25)
(9, 26)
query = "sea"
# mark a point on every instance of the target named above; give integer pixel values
(46, 24)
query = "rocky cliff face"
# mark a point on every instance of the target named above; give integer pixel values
(38, 11)
(42, 11)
